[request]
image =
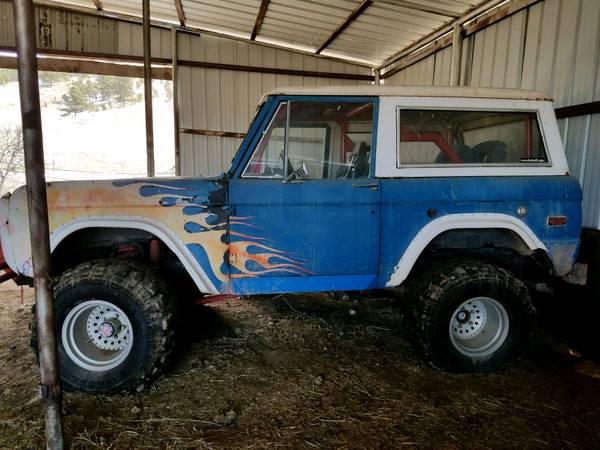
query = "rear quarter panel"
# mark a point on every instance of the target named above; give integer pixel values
(406, 202)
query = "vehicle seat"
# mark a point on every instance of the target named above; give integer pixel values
(462, 150)
(344, 171)
(363, 161)
(490, 152)
(358, 164)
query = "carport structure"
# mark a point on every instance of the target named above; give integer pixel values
(223, 55)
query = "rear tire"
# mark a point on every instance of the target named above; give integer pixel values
(114, 325)
(470, 316)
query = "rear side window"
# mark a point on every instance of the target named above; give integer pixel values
(440, 137)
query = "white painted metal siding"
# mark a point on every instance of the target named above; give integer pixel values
(130, 40)
(70, 31)
(61, 30)
(7, 28)
(421, 73)
(554, 47)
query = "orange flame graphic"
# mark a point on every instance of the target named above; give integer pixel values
(239, 256)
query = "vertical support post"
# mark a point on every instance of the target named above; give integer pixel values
(148, 87)
(175, 84)
(377, 74)
(456, 54)
(37, 204)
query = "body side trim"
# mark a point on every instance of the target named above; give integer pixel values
(454, 222)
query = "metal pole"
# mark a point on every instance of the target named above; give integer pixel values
(377, 74)
(456, 55)
(148, 88)
(38, 220)
(175, 78)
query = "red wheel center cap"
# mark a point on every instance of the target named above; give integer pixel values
(463, 316)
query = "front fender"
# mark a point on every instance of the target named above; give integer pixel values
(155, 227)
(67, 217)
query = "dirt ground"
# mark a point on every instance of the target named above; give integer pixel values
(308, 372)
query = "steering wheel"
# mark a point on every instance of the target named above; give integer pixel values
(300, 173)
(290, 168)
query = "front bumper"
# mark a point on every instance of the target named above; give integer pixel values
(6, 273)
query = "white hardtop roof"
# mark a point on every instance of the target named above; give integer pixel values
(411, 91)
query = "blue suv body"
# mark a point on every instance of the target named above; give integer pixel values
(462, 194)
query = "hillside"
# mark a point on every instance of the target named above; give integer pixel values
(94, 145)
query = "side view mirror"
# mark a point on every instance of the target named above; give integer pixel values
(299, 173)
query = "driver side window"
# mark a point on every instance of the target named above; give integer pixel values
(318, 140)
(267, 160)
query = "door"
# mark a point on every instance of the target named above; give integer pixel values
(311, 224)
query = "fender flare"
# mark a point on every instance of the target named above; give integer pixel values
(458, 222)
(161, 231)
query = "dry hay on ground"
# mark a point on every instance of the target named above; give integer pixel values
(306, 372)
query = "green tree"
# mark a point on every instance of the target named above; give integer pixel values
(79, 97)
(168, 90)
(124, 91)
(8, 76)
(11, 152)
(51, 78)
(114, 89)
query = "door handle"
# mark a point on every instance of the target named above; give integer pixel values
(372, 186)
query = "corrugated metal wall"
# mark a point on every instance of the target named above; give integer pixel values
(59, 30)
(554, 47)
(225, 100)
(69, 31)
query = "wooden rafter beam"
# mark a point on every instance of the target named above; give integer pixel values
(53, 64)
(180, 13)
(262, 11)
(98, 5)
(364, 4)
(582, 109)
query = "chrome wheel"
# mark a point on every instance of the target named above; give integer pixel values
(479, 327)
(97, 335)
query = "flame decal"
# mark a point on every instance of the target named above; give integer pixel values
(209, 239)
(265, 260)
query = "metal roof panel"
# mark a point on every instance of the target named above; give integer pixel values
(384, 28)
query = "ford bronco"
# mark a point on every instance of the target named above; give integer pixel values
(462, 196)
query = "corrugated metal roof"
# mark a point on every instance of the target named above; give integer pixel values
(382, 29)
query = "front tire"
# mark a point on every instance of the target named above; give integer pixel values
(470, 316)
(114, 325)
